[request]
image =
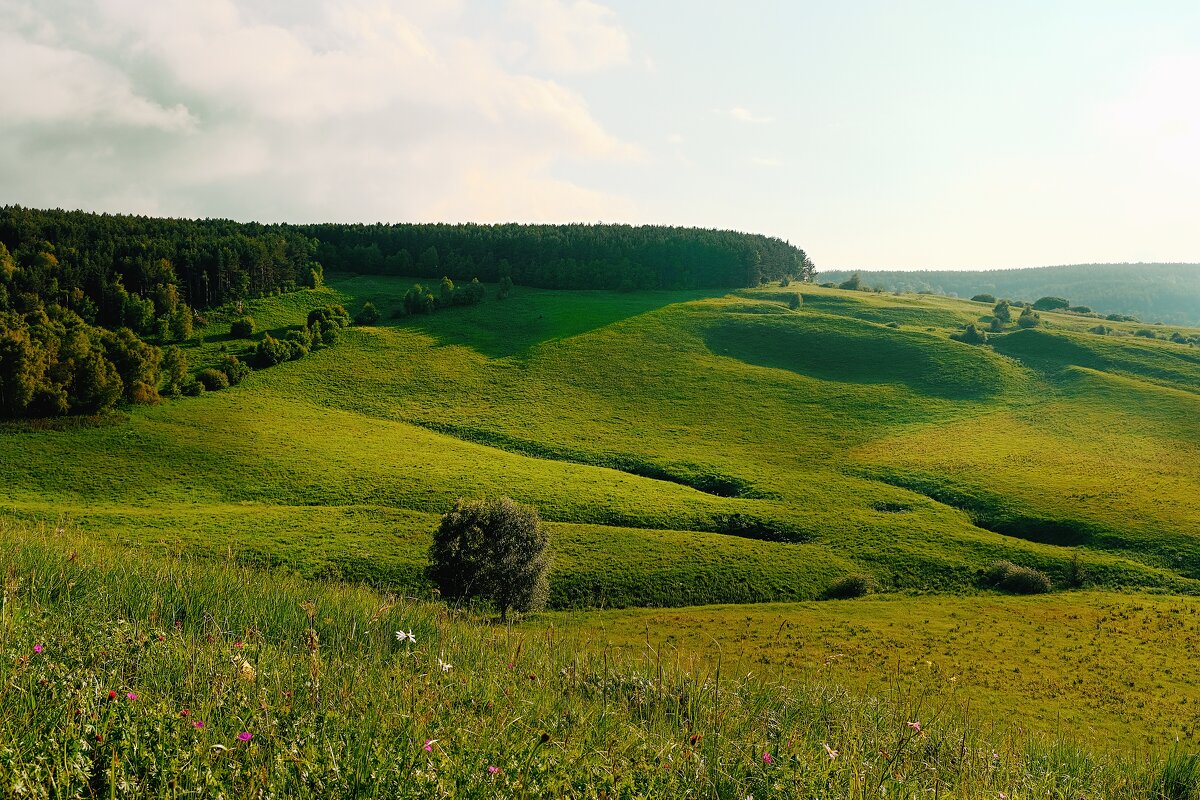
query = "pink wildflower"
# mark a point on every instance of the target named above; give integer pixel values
(238, 644)
(830, 752)
(916, 726)
(767, 759)
(245, 736)
(132, 696)
(493, 770)
(198, 724)
(429, 745)
(37, 648)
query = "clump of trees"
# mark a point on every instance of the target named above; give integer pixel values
(322, 329)
(1051, 303)
(242, 328)
(494, 550)
(421, 300)
(984, 298)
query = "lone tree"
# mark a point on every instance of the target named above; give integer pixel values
(494, 549)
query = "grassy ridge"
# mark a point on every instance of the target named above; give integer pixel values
(631, 419)
(128, 674)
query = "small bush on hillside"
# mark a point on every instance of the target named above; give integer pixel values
(1029, 319)
(794, 302)
(506, 287)
(850, 586)
(1145, 333)
(1002, 312)
(234, 369)
(369, 315)
(1121, 318)
(271, 351)
(1100, 330)
(853, 283)
(893, 324)
(419, 300)
(983, 298)
(971, 335)
(213, 380)
(331, 315)
(996, 326)
(242, 328)
(1009, 577)
(494, 550)
(1080, 310)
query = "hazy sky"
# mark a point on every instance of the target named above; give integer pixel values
(938, 134)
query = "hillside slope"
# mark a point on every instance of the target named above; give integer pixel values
(687, 447)
(1168, 293)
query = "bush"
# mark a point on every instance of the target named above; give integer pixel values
(983, 298)
(853, 283)
(850, 586)
(299, 342)
(271, 351)
(1050, 303)
(242, 328)
(1145, 333)
(192, 387)
(234, 370)
(971, 335)
(1029, 319)
(1008, 577)
(331, 315)
(1101, 330)
(213, 380)
(491, 549)
(369, 314)
(795, 302)
(1002, 312)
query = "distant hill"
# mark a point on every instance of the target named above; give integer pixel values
(1168, 293)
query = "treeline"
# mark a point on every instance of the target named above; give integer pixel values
(1167, 293)
(562, 256)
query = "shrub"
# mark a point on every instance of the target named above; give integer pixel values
(299, 343)
(983, 298)
(1050, 303)
(971, 335)
(1080, 309)
(491, 549)
(506, 287)
(1002, 312)
(419, 300)
(794, 302)
(271, 351)
(1145, 333)
(850, 586)
(213, 380)
(853, 283)
(1008, 577)
(1029, 319)
(995, 326)
(242, 328)
(369, 314)
(331, 315)
(192, 387)
(234, 370)
(893, 324)
(1101, 330)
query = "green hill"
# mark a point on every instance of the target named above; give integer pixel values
(1168, 293)
(687, 446)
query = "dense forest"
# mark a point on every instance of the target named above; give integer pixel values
(1168, 293)
(89, 301)
(562, 256)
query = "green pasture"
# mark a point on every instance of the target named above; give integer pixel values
(686, 447)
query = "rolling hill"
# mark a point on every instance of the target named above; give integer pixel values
(1168, 293)
(688, 447)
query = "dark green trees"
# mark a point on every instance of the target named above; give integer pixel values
(494, 550)
(1050, 303)
(1029, 319)
(1002, 311)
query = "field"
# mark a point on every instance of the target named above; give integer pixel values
(691, 453)
(669, 437)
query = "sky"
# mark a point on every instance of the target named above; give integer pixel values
(934, 134)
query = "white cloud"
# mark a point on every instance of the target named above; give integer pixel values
(760, 161)
(745, 115)
(573, 35)
(349, 109)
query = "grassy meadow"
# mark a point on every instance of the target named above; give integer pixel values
(692, 453)
(686, 447)
(152, 676)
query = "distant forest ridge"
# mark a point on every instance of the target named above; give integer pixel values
(211, 262)
(1168, 293)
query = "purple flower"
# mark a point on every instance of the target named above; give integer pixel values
(493, 770)
(429, 745)
(767, 759)
(198, 724)
(132, 696)
(37, 648)
(245, 736)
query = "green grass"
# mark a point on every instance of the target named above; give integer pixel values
(128, 674)
(673, 440)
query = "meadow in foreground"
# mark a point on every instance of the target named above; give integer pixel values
(129, 674)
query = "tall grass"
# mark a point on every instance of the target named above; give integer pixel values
(123, 674)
